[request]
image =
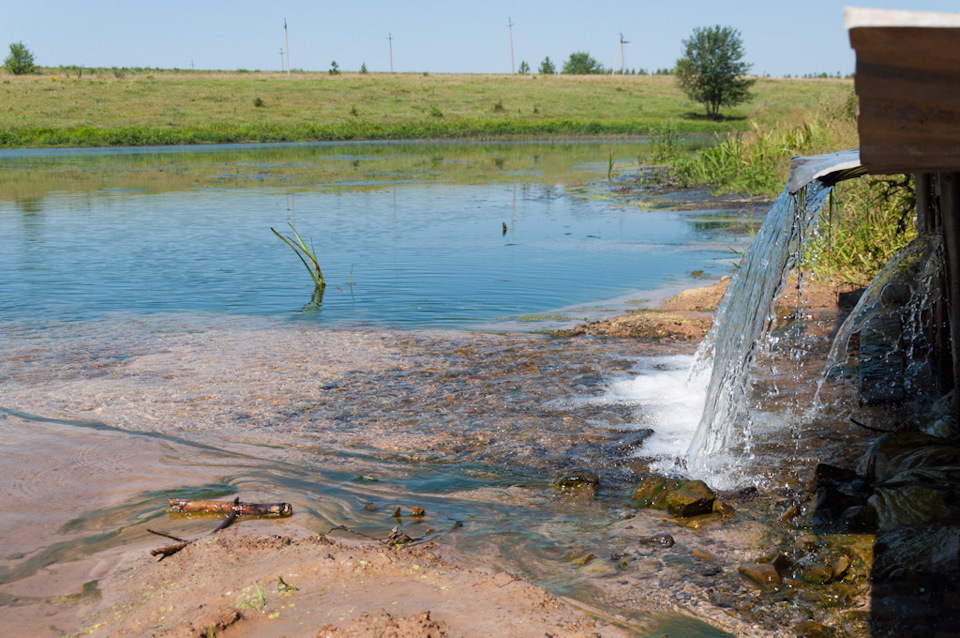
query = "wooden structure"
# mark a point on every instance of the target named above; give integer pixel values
(908, 83)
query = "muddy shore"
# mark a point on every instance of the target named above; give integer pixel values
(260, 579)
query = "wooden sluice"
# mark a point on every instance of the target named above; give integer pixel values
(908, 83)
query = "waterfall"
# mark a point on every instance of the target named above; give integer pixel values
(743, 317)
(916, 269)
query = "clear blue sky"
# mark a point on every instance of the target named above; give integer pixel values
(780, 37)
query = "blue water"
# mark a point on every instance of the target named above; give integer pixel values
(397, 246)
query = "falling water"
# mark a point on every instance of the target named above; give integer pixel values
(916, 268)
(744, 315)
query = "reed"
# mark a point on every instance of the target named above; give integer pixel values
(307, 255)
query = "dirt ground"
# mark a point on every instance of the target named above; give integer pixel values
(236, 584)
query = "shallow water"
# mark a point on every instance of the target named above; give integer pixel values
(156, 344)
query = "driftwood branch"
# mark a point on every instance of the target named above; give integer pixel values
(234, 510)
(181, 506)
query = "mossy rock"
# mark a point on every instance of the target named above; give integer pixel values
(652, 490)
(690, 498)
(576, 479)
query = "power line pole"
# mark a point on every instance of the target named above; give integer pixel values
(623, 61)
(286, 36)
(281, 59)
(513, 69)
(390, 40)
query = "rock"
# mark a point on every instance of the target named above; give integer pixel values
(935, 550)
(882, 361)
(762, 575)
(812, 629)
(859, 518)
(907, 505)
(832, 474)
(690, 498)
(663, 540)
(629, 442)
(815, 573)
(576, 479)
(652, 490)
(723, 509)
(839, 568)
(831, 501)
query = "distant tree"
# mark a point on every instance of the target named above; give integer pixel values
(20, 60)
(711, 70)
(546, 67)
(582, 63)
(334, 68)
(524, 68)
(363, 68)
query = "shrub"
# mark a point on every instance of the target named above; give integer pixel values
(20, 60)
(582, 63)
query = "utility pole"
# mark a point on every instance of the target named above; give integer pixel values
(281, 59)
(513, 69)
(623, 62)
(390, 39)
(286, 37)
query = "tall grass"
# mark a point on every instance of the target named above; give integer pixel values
(868, 220)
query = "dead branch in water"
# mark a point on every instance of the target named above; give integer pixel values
(234, 511)
(182, 506)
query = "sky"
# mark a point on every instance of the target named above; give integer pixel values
(780, 37)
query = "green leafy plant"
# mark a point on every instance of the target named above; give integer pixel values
(307, 255)
(257, 102)
(524, 68)
(665, 142)
(20, 61)
(435, 111)
(334, 68)
(363, 67)
(711, 70)
(547, 67)
(582, 63)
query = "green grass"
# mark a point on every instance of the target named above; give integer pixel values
(142, 107)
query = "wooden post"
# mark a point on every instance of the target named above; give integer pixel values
(950, 218)
(390, 40)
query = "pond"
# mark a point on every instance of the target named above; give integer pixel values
(406, 235)
(159, 341)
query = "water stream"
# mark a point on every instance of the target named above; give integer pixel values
(742, 319)
(155, 344)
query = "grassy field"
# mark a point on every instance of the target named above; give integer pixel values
(106, 107)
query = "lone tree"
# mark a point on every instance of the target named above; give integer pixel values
(20, 60)
(581, 63)
(546, 67)
(712, 67)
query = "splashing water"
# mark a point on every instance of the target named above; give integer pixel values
(744, 316)
(917, 268)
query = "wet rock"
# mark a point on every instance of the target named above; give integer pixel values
(839, 568)
(660, 540)
(898, 452)
(690, 498)
(925, 549)
(859, 518)
(724, 509)
(830, 501)
(651, 491)
(907, 505)
(631, 442)
(825, 473)
(576, 480)
(812, 629)
(762, 575)
(815, 573)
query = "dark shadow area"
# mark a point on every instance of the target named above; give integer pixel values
(703, 117)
